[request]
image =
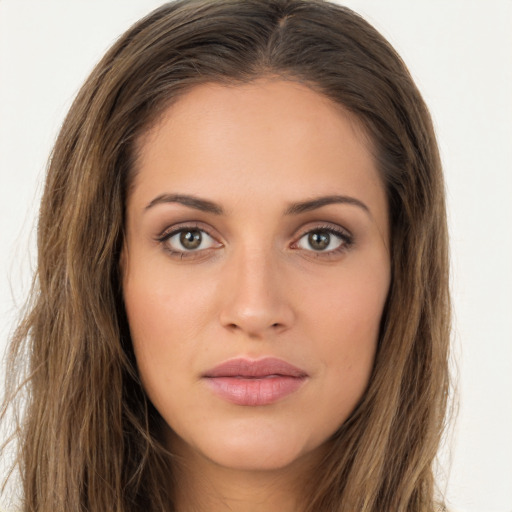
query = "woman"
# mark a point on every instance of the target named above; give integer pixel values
(241, 299)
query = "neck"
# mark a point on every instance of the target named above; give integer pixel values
(233, 491)
(204, 486)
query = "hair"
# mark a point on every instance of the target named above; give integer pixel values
(88, 438)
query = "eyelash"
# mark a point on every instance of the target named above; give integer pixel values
(347, 240)
(167, 235)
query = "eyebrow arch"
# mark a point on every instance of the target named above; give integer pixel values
(307, 206)
(186, 200)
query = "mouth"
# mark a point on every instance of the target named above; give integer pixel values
(254, 383)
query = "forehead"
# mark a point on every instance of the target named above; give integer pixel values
(246, 140)
(297, 105)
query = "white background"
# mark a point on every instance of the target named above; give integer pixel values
(460, 53)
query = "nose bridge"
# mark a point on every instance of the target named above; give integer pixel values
(255, 300)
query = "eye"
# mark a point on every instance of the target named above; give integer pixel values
(324, 240)
(188, 239)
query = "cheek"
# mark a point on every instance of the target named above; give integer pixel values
(345, 324)
(165, 318)
(348, 305)
(160, 303)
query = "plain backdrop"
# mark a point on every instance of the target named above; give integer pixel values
(459, 52)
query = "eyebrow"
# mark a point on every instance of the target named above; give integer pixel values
(192, 202)
(294, 209)
(313, 204)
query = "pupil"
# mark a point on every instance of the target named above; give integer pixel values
(191, 239)
(319, 240)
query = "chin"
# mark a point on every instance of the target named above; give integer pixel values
(246, 456)
(257, 447)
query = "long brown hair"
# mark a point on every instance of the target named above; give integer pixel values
(88, 437)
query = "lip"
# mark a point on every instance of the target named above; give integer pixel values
(254, 382)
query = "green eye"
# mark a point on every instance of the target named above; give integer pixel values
(319, 241)
(323, 240)
(189, 240)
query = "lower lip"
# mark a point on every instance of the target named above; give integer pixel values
(254, 391)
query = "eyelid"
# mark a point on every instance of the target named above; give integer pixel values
(171, 230)
(175, 229)
(342, 233)
(346, 237)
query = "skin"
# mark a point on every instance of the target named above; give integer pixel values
(255, 287)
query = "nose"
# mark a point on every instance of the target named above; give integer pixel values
(256, 298)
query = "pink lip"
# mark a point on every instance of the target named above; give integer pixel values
(262, 382)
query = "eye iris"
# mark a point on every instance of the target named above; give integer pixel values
(319, 240)
(191, 239)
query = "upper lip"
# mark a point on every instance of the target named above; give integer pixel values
(247, 368)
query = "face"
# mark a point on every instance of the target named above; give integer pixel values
(255, 271)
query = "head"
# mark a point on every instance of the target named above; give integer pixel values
(380, 457)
